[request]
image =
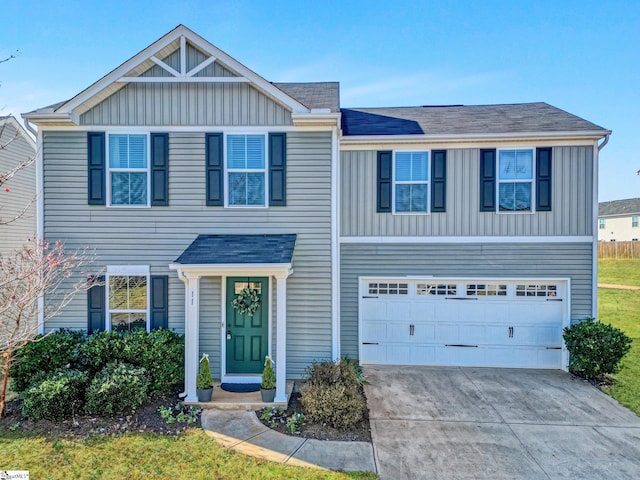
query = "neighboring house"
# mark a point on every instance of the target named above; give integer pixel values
(618, 220)
(447, 235)
(18, 192)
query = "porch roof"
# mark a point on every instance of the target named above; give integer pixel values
(267, 249)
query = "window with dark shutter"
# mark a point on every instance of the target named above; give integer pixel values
(214, 169)
(159, 169)
(384, 166)
(487, 180)
(96, 307)
(159, 301)
(277, 169)
(439, 181)
(96, 168)
(543, 179)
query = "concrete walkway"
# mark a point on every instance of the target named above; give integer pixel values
(618, 287)
(244, 433)
(454, 423)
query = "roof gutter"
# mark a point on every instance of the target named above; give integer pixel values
(474, 137)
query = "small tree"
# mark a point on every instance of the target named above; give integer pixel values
(39, 270)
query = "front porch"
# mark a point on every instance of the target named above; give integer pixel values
(223, 400)
(260, 262)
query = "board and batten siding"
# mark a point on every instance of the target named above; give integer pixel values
(572, 193)
(573, 260)
(178, 104)
(17, 206)
(156, 236)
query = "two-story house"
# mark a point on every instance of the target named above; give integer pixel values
(454, 235)
(618, 220)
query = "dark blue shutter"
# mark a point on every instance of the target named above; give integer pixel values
(277, 169)
(488, 180)
(215, 169)
(385, 165)
(543, 179)
(159, 169)
(159, 301)
(96, 308)
(97, 168)
(439, 181)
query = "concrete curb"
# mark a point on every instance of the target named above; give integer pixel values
(243, 432)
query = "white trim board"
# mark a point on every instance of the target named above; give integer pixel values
(505, 239)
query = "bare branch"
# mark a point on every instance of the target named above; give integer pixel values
(39, 270)
(10, 57)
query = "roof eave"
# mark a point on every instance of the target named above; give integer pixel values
(316, 119)
(473, 137)
(234, 268)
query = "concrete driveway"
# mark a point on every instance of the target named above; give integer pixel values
(448, 422)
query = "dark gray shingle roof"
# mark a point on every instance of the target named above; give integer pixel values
(223, 249)
(463, 119)
(314, 95)
(629, 206)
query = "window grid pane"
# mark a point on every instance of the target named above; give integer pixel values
(246, 152)
(128, 154)
(128, 302)
(411, 177)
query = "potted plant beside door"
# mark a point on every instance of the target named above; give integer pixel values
(204, 382)
(268, 384)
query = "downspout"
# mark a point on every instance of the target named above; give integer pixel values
(594, 289)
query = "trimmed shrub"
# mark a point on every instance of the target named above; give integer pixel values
(117, 388)
(55, 397)
(160, 352)
(333, 395)
(204, 380)
(163, 358)
(43, 356)
(595, 349)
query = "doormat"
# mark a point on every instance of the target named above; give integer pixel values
(240, 387)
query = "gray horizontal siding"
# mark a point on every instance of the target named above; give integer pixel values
(572, 200)
(17, 206)
(573, 260)
(157, 236)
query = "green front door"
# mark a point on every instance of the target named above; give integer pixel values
(247, 335)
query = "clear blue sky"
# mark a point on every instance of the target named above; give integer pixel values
(581, 56)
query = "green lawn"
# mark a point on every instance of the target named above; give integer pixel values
(619, 271)
(143, 456)
(621, 308)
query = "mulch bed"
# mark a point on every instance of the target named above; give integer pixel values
(145, 419)
(358, 433)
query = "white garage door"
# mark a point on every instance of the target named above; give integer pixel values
(463, 322)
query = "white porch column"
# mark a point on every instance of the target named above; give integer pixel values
(191, 336)
(281, 342)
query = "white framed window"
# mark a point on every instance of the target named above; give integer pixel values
(411, 182)
(128, 297)
(246, 170)
(128, 170)
(634, 221)
(601, 224)
(515, 180)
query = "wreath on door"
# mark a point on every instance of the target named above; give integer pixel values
(247, 301)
